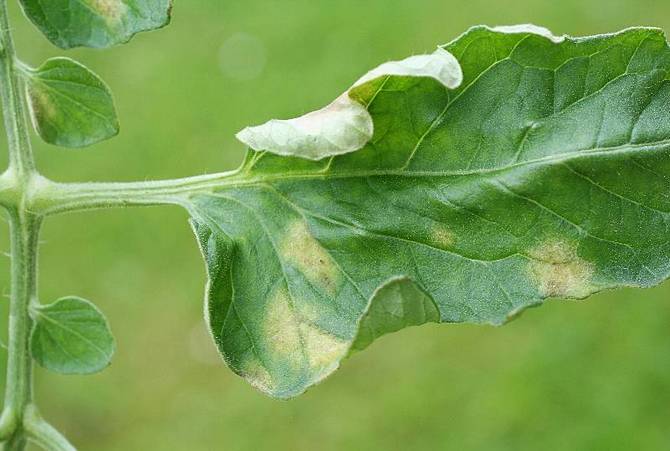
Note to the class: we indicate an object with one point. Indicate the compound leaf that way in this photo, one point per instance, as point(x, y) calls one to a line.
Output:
point(96, 23)
point(71, 336)
point(543, 173)
point(70, 106)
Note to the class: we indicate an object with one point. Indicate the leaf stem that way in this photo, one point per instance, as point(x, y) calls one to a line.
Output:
point(49, 198)
point(42, 433)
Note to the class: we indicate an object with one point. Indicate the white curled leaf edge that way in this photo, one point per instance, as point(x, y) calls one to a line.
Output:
point(345, 125)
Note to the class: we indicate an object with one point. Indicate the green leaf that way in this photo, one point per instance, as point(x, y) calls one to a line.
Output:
point(96, 23)
point(395, 306)
point(71, 336)
point(70, 106)
point(544, 174)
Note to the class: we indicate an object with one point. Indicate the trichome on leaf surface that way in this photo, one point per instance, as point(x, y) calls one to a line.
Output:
point(465, 185)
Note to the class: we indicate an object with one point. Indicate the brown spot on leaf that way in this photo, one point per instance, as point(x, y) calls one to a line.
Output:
point(559, 271)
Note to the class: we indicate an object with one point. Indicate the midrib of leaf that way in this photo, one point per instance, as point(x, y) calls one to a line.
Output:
point(561, 158)
point(74, 197)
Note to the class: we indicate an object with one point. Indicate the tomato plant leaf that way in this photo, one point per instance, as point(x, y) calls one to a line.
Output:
point(95, 23)
point(70, 106)
point(544, 173)
point(71, 336)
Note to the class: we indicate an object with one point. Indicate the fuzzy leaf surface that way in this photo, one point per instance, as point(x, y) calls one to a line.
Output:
point(544, 174)
point(71, 336)
point(70, 106)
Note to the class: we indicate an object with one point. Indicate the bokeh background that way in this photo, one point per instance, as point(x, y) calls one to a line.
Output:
point(593, 375)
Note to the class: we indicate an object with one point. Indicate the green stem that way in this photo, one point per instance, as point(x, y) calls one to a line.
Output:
point(12, 96)
point(49, 198)
point(42, 433)
point(24, 233)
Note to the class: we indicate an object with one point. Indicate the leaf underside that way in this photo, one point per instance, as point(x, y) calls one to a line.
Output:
point(95, 23)
point(545, 174)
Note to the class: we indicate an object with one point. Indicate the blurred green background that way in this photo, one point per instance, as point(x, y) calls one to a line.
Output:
point(587, 376)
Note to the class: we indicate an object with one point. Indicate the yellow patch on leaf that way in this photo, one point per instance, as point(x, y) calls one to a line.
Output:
point(281, 328)
point(41, 105)
point(292, 338)
point(442, 237)
point(256, 375)
point(559, 271)
point(112, 10)
point(300, 249)
point(322, 349)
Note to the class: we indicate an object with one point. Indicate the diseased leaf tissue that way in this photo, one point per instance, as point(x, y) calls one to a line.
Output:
point(508, 167)
point(465, 185)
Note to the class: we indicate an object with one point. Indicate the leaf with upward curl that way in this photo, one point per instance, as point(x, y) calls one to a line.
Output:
point(509, 167)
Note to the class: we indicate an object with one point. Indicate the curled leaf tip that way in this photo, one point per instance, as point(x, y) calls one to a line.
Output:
point(440, 65)
point(345, 125)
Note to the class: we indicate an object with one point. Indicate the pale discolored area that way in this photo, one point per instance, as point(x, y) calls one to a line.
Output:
point(252, 370)
point(112, 10)
point(292, 339)
point(341, 127)
point(41, 106)
point(439, 65)
point(323, 350)
point(441, 236)
point(281, 329)
point(530, 28)
point(300, 249)
point(559, 271)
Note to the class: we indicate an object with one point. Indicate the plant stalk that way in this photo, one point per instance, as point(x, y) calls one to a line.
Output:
point(24, 235)
point(24, 231)
point(13, 105)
